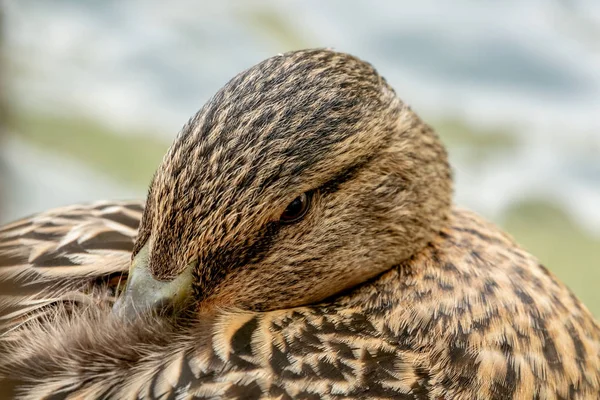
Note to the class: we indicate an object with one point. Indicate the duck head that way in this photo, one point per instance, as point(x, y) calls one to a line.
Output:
point(303, 176)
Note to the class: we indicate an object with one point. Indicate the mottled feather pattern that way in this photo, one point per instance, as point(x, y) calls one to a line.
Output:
point(382, 290)
point(420, 331)
point(60, 255)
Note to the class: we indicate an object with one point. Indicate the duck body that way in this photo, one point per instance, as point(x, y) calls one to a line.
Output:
point(298, 241)
point(473, 316)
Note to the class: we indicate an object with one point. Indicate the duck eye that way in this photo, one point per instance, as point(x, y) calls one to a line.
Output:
point(296, 209)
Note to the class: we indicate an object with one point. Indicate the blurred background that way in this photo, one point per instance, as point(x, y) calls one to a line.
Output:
point(93, 92)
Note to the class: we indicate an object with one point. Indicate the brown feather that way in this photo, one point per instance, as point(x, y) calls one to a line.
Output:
point(383, 289)
point(56, 256)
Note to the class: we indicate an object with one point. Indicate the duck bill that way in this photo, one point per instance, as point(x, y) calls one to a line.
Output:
point(144, 293)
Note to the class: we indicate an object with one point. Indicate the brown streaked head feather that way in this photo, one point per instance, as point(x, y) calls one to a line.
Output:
point(317, 122)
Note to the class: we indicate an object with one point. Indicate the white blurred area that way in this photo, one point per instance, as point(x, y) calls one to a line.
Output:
point(39, 180)
point(529, 65)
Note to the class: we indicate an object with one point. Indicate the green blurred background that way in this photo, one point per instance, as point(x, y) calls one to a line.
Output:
point(93, 93)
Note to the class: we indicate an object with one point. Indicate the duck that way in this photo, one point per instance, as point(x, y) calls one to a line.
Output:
point(298, 241)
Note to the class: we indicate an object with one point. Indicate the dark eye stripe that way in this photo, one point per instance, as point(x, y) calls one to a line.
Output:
point(333, 185)
point(267, 235)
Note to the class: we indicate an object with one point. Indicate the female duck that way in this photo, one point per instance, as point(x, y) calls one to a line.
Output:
point(298, 241)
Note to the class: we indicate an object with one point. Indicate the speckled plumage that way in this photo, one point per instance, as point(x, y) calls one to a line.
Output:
point(383, 290)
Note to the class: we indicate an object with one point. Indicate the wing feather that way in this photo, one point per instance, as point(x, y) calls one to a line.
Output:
point(68, 256)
